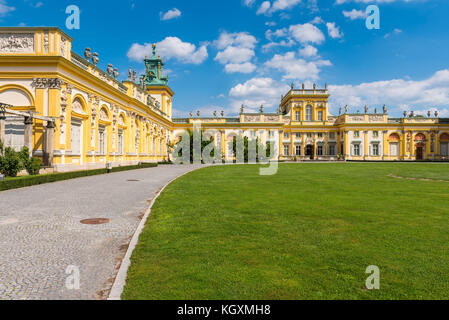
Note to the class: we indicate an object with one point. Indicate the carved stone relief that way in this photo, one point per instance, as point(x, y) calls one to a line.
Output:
point(17, 43)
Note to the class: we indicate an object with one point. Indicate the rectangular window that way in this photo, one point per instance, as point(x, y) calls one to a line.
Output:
point(298, 116)
point(356, 134)
point(309, 113)
point(120, 146)
point(320, 115)
point(332, 135)
point(271, 134)
point(309, 135)
point(101, 140)
point(394, 149)
point(298, 135)
point(298, 150)
point(331, 150)
point(76, 138)
point(253, 133)
point(286, 150)
point(356, 150)
point(320, 135)
point(375, 134)
point(320, 150)
point(444, 149)
point(375, 149)
point(286, 135)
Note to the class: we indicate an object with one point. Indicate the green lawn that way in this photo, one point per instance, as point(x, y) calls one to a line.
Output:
point(308, 232)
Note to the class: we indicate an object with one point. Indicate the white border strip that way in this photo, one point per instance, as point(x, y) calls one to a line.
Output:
point(120, 280)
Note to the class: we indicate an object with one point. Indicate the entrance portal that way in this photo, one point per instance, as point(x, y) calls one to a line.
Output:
point(310, 152)
point(419, 152)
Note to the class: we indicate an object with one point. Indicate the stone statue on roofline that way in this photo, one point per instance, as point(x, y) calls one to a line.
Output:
point(366, 109)
point(130, 74)
point(242, 109)
point(346, 109)
point(134, 75)
point(385, 109)
point(429, 114)
point(215, 114)
point(436, 114)
point(261, 109)
point(339, 111)
point(222, 113)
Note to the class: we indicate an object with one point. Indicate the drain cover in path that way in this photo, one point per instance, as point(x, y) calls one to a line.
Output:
point(95, 221)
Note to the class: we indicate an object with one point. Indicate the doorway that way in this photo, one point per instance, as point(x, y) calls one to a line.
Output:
point(419, 152)
point(310, 152)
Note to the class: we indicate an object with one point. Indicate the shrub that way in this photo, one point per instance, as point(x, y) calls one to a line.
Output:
point(27, 181)
point(32, 165)
point(10, 163)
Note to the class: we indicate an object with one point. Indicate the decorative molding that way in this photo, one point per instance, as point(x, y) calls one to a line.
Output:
point(17, 42)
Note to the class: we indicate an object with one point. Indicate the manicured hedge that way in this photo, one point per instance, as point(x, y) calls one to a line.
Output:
point(27, 181)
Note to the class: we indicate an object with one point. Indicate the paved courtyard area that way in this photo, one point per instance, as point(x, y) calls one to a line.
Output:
point(41, 234)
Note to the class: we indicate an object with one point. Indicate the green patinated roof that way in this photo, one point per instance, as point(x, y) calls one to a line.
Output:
point(154, 68)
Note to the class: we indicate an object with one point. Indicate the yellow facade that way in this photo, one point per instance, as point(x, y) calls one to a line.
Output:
point(98, 120)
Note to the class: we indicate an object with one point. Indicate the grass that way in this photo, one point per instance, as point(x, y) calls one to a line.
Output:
point(308, 232)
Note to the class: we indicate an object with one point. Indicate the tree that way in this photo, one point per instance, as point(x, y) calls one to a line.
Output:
point(260, 149)
point(204, 144)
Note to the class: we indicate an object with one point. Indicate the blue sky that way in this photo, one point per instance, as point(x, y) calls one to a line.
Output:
point(220, 54)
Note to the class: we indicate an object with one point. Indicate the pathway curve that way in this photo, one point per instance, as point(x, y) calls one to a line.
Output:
point(41, 234)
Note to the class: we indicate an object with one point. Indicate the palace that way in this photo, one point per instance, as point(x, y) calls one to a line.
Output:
point(76, 116)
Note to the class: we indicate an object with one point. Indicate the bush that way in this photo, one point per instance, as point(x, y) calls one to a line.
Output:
point(10, 163)
point(32, 165)
point(27, 181)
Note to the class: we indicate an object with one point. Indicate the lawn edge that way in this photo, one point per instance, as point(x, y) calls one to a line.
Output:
point(120, 280)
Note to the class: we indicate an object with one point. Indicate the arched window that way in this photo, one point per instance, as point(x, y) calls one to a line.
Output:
point(309, 113)
point(420, 137)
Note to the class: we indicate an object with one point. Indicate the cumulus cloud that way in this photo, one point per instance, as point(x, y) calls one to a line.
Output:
point(268, 8)
point(307, 32)
point(308, 51)
point(257, 91)
point(170, 48)
point(246, 67)
point(371, 1)
point(236, 51)
point(397, 94)
point(333, 30)
point(354, 14)
point(170, 14)
point(294, 68)
point(5, 9)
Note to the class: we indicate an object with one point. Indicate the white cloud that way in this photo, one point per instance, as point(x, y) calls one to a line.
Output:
point(238, 39)
point(333, 30)
point(246, 67)
point(397, 94)
point(294, 68)
point(317, 20)
point(270, 23)
point(248, 3)
point(170, 14)
point(354, 14)
point(5, 9)
point(308, 51)
point(307, 32)
point(264, 7)
point(373, 1)
point(283, 43)
point(395, 31)
point(268, 8)
point(284, 4)
point(234, 55)
point(171, 48)
point(257, 91)
point(237, 51)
